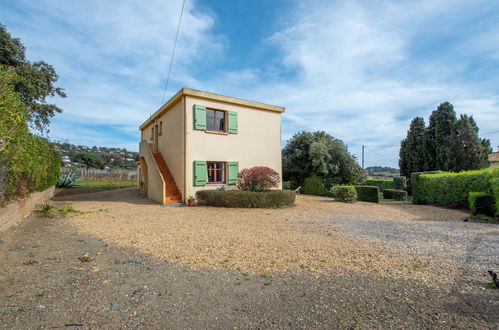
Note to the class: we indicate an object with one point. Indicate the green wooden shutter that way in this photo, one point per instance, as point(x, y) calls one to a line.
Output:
point(232, 122)
point(199, 117)
point(233, 171)
point(199, 172)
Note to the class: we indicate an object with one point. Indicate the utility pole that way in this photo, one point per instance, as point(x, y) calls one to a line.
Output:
point(363, 147)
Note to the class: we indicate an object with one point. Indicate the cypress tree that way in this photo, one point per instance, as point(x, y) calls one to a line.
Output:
point(412, 148)
point(438, 141)
point(467, 146)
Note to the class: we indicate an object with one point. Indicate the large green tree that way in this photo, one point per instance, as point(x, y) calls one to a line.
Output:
point(35, 81)
point(412, 148)
point(438, 144)
point(320, 154)
point(89, 160)
point(448, 144)
point(468, 150)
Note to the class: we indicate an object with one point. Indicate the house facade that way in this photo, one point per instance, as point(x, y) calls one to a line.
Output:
point(199, 140)
point(494, 159)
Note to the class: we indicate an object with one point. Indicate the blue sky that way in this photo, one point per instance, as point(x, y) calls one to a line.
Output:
point(360, 70)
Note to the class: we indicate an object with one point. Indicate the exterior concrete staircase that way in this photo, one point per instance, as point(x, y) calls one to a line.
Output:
point(172, 194)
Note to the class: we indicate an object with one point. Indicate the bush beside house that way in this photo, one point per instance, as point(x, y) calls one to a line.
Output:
point(246, 199)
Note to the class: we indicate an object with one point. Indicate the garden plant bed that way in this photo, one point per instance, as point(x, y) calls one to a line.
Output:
point(320, 263)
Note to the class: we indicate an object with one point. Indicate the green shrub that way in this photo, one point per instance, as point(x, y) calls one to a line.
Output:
point(398, 195)
point(451, 189)
point(27, 162)
point(286, 185)
point(380, 183)
point(481, 203)
point(344, 193)
point(414, 184)
point(313, 186)
point(367, 194)
point(494, 183)
point(246, 199)
point(400, 183)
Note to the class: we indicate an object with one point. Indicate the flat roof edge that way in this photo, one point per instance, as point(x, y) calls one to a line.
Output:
point(209, 96)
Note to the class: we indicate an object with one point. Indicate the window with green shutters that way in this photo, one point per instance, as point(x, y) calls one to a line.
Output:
point(233, 122)
point(214, 120)
point(199, 117)
point(233, 170)
point(199, 173)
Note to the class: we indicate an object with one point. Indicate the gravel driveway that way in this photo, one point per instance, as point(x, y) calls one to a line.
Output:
point(320, 264)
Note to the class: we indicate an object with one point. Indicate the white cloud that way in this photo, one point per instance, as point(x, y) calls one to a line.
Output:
point(358, 73)
point(112, 57)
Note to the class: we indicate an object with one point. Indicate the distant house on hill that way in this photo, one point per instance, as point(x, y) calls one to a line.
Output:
point(494, 159)
point(199, 140)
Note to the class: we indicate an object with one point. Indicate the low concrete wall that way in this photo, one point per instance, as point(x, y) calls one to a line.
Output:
point(22, 208)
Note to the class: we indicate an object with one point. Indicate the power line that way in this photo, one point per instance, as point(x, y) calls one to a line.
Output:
point(491, 132)
point(173, 52)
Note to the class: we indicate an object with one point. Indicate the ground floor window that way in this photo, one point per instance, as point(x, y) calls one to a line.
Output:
point(216, 172)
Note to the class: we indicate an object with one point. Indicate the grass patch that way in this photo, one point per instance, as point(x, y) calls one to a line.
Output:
point(107, 185)
point(68, 209)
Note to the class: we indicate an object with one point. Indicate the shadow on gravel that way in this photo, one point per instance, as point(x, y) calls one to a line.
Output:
point(122, 287)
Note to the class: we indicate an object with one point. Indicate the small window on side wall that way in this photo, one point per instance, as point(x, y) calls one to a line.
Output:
point(160, 128)
point(152, 133)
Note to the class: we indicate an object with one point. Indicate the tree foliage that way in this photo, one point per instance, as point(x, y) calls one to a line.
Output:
point(412, 148)
point(447, 144)
point(320, 154)
point(27, 162)
point(89, 160)
point(34, 81)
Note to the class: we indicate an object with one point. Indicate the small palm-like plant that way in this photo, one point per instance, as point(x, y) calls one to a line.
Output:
point(68, 181)
point(45, 209)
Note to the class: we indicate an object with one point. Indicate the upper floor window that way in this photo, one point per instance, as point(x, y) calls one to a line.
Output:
point(215, 120)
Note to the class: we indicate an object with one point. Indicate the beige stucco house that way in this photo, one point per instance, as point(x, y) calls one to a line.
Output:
point(199, 140)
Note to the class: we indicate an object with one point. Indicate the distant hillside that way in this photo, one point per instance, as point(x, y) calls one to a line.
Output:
point(382, 171)
point(115, 158)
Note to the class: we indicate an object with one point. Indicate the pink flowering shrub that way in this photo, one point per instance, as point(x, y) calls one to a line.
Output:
point(258, 178)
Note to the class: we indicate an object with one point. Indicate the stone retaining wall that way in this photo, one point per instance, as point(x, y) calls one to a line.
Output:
point(22, 208)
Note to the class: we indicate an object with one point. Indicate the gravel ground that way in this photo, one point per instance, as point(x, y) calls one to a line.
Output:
point(320, 264)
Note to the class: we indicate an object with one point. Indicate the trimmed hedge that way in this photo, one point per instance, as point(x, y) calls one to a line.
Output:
point(400, 183)
point(344, 193)
point(451, 189)
point(494, 183)
point(367, 194)
point(481, 203)
point(398, 195)
point(414, 185)
point(313, 185)
point(380, 183)
point(246, 199)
